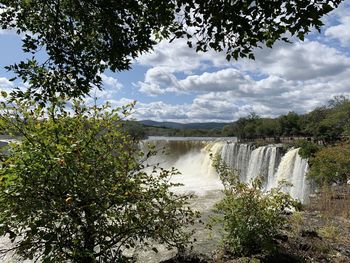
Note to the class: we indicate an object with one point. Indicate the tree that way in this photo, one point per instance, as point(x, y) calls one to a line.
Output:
point(75, 187)
point(328, 123)
point(331, 165)
point(135, 129)
point(227, 130)
point(290, 124)
point(83, 38)
point(238, 127)
point(310, 122)
point(333, 126)
point(269, 128)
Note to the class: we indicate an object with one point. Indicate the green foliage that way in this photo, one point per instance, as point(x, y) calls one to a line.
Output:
point(307, 149)
point(311, 122)
point(331, 122)
point(327, 124)
point(75, 187)
point(250, 217)
point(290, 124)
point(83, 38)
point(268, 128)
point(331, 165)
point(134, 129)
point(330, 231)
point(237, 27)
point(162, 131)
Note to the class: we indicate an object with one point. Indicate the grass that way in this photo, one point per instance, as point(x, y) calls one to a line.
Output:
point(330, 231)
point(332, 201)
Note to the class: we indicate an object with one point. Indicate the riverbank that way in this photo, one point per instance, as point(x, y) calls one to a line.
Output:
point(318, 233)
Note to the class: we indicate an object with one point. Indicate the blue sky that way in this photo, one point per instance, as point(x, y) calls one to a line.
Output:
point(174, 83)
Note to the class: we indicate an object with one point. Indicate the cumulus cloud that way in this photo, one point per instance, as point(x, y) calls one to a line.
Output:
point(160, 111)
point(158, 80)
point(341, 31)
point(226, 79)
point(299, 61)
point(178, 57)
point(268, 97)
point(111, 83)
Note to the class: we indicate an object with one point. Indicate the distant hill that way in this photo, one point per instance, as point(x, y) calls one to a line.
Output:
point(177, 125)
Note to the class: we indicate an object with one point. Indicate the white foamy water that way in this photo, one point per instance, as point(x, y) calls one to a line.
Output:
point(293, 169)
point(192, 159)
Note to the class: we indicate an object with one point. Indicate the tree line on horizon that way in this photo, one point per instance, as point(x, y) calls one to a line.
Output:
point(327, 124)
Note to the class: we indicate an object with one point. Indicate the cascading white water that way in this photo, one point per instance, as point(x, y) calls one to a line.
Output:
point(197, 172)
point(192, 159)
point(293, 169)
point(236, 156)
point(274, 160)
point(250, 162)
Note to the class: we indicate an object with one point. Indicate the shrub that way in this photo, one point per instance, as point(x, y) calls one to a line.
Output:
point(74, 188)
point(331, 165)
point(307, 149)
point(249, 217)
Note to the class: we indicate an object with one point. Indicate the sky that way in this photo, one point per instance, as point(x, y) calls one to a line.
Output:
point(174, 83)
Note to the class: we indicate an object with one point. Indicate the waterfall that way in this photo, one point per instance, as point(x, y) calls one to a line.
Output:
point(236, 156)
point(263, 163)
point(250, 162)
point(293, 169)
point(192, 159)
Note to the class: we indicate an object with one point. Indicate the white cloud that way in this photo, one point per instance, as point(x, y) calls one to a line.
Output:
point(269, 97)
point(226, 79)
point(158, 80)
point(111, 83)
point(299, 61)
point(6, 85)
point(341, 31)
point(159, 111)
point(178, 57)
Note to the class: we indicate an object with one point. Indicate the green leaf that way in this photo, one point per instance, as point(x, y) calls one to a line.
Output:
point(4, 94)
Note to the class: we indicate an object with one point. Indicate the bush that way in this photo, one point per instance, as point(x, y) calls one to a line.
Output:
point(74, 188)
point(331, 165)
point(249, 217)
point(307, 149)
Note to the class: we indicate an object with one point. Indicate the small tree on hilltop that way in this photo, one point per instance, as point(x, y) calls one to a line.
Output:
point(74, 188)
